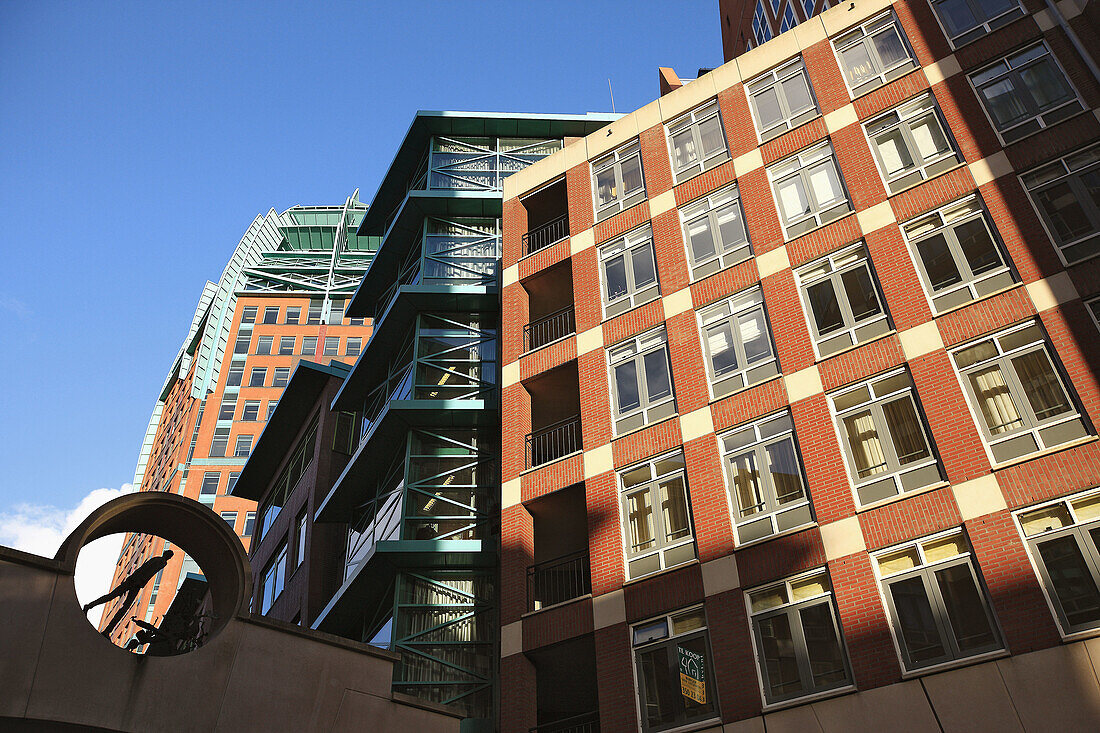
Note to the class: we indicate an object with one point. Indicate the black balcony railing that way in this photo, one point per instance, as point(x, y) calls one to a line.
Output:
point(546, 234)
point(554, 441)
point(586, 723)
point(557, 581)
point(558, 324)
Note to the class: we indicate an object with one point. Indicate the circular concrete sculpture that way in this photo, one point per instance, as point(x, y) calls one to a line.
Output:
point(188, 525)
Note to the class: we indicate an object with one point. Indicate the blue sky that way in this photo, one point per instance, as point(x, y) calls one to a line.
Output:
point(139, 140)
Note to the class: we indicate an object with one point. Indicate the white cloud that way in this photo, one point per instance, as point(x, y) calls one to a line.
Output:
point(40, 529)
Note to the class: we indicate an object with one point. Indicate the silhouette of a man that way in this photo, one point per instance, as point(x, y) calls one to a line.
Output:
point(129, 588)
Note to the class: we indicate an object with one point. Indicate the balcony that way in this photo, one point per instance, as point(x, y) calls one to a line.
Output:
point(546, 234)
point(559, 580)
point(555, 415)
point(584, 723)
point(565, 687)
point(549, 306)
point(553, 442)
point(559, 571)
point(547, 217)
point(549, 329)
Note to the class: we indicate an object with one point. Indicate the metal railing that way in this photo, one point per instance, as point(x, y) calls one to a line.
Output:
point(553, 441)
point(557, 581)
point(586, 723)
point(546, 234)
point(558, 324)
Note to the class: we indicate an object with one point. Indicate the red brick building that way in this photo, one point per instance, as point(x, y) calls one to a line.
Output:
point(800, 400)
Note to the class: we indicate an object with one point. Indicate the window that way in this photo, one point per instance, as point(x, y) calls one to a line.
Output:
point(251, 410)
point(657, 514)
point(967, 20)
point(1093, 307)
point(1018, 397)
point(808, 190)
point(714, 231)
point(257, 377)
point(873, 53)
point(271, 315)
point(313, 315)
point(617, 180)
point(799, 648)
point(249, 524)
point(248, 314)
point(674, 671)
point(355, 346)
point(301, 535)
point(885, 440)
point(209, 488)
point(274, 577)
point(309, 345)
point(1025, 92)
point(362, 321)
point(737, 342)
point(1063, 538)
point(243, 446)
point(230, 518)
point(629, 272)
point(765, 479)
point(1066, 193)
point(263, 344)
point(220, 443)
point(911, 144)
point(242, 343)
point(641, 381)
point(293, 314)
point(781, 100)
point(228, 408)
point(936, 600)
point(332, 345)
point(232, 481)
point(235, 375)
point(697, 142)
point(957, 255)
point(336, 313)
point(281, 377)
point(842, 302)
point(345, 438)
point(286, 345)
point(271, 408)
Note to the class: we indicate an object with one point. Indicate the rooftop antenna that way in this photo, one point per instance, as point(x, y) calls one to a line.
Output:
point(612, 92)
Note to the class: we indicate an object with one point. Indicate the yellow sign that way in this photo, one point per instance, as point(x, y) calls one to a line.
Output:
point(693, 683)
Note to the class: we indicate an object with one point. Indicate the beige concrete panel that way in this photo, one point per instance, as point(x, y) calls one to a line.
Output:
point(649, 115)
point(509, 374)
point(875, 217)
point(510, 276)
point(696, 424)
point(582, 241)
point(726, 75)
point(511, 493)
point(792, 720)
point(26, 593)
point(945, 68)
point(686, 98)
point(619, 132)
point(779, 49)
point(1054, 689)
point(511, 639)
point(921, 340)
point(1044, 20)
point(899, 708)
point(803, 384)
point(843, 537)
point(1097, 113)
point(1070, 8)
point(677, 303)
point(720, 575)
point(661, 203)
point(971, 699)
point(534, 175)
point(1052, 291)
point(978, 497)
point(991, 168)
point(589, 340)
point(845, 15)
point(359, 710)
point(840, 118)
point(598, 460)
point(608, 609)
point(575, 152)
point(748, 162)
point(749, 725)
point(772, 262)
point(810, 32)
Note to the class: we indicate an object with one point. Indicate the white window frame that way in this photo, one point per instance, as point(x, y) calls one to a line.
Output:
point(833, 268)
point(274, 579)
point(773, 518)
point(1068, 168)
point(1010, 343)
point(281, 374)
point(901, 121)
point(614, 161)
point(242, 446)
point(775, 79)
point(693, 121)
point(254, 405)
point(945, 222)
point(869, 395)
point(863, 34)
point(1093, 307)
point(802, 166)
point(284, 349)
point(926, 571)
point(718, 208)
point(984, 25)
point(354, 346)
point(792, 607)
point(649, 477)
point(1080, 528)
point(1039, 119)
point(264, 344)
point(649, 410)
point(628, 246)
point(729, 315)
